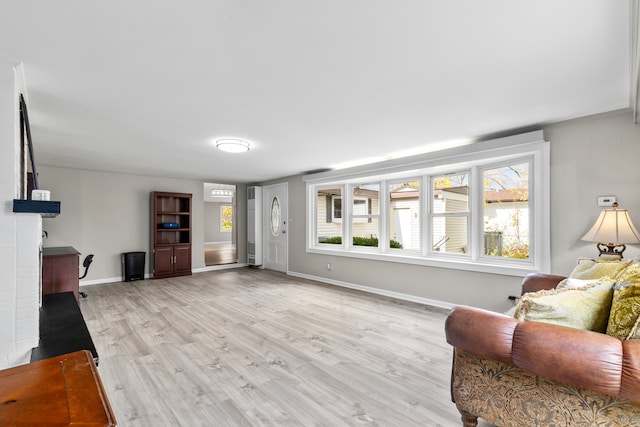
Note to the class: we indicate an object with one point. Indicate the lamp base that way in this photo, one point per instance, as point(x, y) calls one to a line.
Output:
point(611, 249)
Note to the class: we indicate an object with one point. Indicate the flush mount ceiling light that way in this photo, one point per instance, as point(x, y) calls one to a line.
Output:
point(232, 145)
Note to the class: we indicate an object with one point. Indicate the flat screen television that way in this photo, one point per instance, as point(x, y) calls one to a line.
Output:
point(26, 141)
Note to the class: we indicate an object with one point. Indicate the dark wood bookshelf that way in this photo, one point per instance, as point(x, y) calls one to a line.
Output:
point(171, 234)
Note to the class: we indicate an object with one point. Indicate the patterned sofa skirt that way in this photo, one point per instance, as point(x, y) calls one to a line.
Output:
point(511, 397)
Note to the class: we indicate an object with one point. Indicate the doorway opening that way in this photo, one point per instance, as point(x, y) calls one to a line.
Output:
point(220, 234)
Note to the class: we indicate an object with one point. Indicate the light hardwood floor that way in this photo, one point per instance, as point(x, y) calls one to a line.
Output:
point(248, 347)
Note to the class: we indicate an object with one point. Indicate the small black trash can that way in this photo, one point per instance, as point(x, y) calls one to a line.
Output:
point(133, 266)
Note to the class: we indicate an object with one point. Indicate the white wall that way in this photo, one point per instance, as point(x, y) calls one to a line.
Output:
point(212, 231)
point(19, 239)
point(107, 214)
point(589, 157)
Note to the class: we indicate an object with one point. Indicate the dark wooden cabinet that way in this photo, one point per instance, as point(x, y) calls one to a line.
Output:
point(60, 270)
point(171, 231)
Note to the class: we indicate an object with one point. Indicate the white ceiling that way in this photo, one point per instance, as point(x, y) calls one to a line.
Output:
point(146, 86)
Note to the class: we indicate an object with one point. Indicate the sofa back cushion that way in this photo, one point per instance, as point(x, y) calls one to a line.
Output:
point(596, 269)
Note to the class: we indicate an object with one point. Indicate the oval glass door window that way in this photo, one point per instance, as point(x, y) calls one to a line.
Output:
point(275, 217)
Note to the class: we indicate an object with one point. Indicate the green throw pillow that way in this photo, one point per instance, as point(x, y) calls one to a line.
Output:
point(631, 273)
point(595, 269)
point(625, 309)
point(581, 308)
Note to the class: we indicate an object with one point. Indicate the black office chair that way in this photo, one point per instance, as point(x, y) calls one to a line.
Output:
point(86, 263)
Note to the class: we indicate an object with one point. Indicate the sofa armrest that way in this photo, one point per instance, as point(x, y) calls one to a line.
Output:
point(585, 359)
point(535, 282)
point(485, 333)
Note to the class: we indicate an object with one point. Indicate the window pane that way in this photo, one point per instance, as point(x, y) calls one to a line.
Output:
point(366, 234)
point(506, 211)
point(226, 218)
point(365, 215)
point(450, 234)
point(275, 217)
point(451, 193)
point(336, 215)
point(329, 215)
point(404, 224)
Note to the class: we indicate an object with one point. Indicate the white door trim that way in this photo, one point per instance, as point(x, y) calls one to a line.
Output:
point(281, 190)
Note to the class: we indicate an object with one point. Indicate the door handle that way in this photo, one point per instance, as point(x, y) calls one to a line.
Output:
point(284, 231)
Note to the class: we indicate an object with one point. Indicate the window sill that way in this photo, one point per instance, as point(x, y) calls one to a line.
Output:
point(514, 268)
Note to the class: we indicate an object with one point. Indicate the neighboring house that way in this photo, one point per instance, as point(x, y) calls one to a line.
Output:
point(504, 212)
point(506, 215)
point(329, 215)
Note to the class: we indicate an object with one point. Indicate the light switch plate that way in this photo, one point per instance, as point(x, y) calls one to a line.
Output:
point(606, 201)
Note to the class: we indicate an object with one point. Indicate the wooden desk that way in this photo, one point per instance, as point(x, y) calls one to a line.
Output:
point(60, 270)
point(61, 391)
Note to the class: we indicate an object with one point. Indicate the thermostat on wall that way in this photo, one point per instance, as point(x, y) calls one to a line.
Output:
point(606, 200)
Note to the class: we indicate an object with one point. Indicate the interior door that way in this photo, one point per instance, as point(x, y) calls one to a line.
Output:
point(275, 226)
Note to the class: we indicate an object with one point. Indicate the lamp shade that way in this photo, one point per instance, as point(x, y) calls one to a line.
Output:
point(613, 226)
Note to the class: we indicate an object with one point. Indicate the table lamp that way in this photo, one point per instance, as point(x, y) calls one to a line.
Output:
point(612, 230)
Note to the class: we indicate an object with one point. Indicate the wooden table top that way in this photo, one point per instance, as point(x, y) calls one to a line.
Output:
point(59, 251)
point(60, 391)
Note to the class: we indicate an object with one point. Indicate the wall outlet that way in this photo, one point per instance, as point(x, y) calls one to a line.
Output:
point(606, 201)
point(329, 267)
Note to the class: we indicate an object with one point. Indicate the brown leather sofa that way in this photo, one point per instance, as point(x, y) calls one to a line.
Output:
point(522, 373)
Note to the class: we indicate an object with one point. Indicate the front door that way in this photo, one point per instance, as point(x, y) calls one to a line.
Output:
point(275, 226)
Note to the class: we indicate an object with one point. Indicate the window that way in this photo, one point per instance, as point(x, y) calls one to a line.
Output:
point(404, 221)
point(484, 208)
point(365, 215)
point(226, 218)
point(450, 213)
point(336, 209)
point(328, 225)
point(506, 211)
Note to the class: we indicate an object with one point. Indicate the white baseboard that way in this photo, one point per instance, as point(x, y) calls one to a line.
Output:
point(219, 267)
point(377, 291)
point(104, 280)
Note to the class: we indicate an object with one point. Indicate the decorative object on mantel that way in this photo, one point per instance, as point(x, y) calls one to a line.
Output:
point(612, 230)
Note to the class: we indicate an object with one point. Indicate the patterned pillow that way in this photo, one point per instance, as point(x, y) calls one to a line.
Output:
point(631, 273)
point(625, 309)
point(585, 308)
point(595, 269)
point(635, 331)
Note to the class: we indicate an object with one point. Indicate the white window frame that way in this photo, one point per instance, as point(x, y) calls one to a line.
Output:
point(530, 147)
point(431, 215)
point(313, 217)
point(531, 202)
point(389, 213)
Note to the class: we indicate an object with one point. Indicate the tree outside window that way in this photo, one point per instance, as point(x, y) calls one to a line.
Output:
point(226, 218)
point(506, 211)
